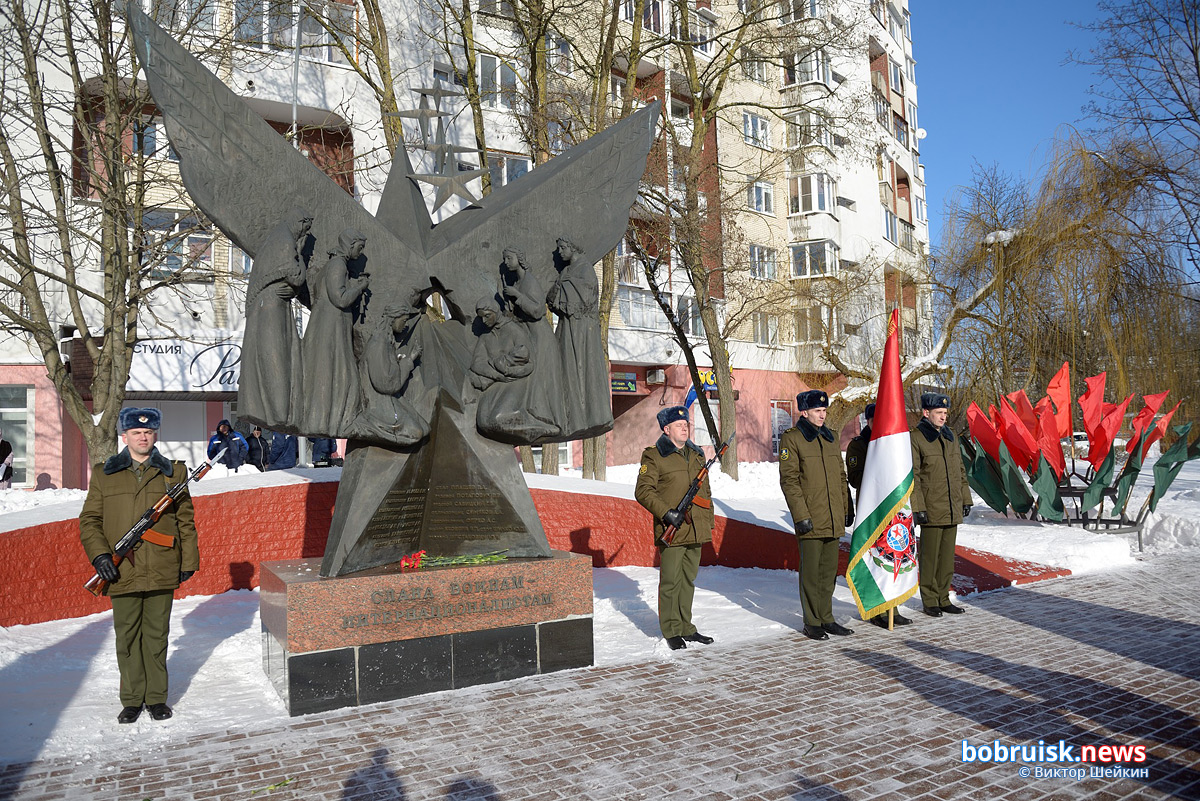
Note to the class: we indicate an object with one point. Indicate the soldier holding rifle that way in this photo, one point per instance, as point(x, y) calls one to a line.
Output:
point(144, 582)
point(667, 471)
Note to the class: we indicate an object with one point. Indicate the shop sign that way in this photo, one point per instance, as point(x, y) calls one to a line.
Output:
point(175, 365)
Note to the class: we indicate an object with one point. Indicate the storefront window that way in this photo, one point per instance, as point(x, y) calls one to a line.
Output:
point(16, 413)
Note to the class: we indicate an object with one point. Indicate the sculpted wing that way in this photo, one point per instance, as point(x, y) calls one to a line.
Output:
point(584, 195)
point(238, 169)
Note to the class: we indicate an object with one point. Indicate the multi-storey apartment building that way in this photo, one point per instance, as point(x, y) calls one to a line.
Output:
point(806, 181)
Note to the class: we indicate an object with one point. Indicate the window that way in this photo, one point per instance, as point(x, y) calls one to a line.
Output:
point(766, 329)
point(700, 434)
point(781, 420)
point(760, 196)
point(16, 417)
point(910, 67)
point(795, 10)
point(150, 139)
point(812, 193)
point(901, 129)
point(762, 262)
point(897, 76)
point(753, 67)
point(895, 27)
point(559, 133)
point(176, 245)
point(183, 15)
point(919, 207)
point(497, 83)
point(891, 227)
point(240, 262)
point(808, 128)
point(912, 116)
point(907, 24)
point(812, 323)
point(639, 309)
point(506, 168)
point(700, 32)
point(756, 130)
point(814, 67)
point(499, 8)
point(652, 15)
point(687, 311)
point(811, 259)
point(323, 25)
point(558, 54)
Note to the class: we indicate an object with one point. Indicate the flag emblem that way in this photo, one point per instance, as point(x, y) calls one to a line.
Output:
point(895, 551)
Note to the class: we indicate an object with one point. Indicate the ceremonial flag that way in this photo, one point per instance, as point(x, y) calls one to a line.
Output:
point(1160, 428)
point(1045, 484)
point(882, 572)
point(1020, 404)
point(1014, 485)
point(1094, 493)
point(1049, 443)
point(983, 474)
point(1101, 445)
point(983, 431)
point(1092, 405)
point(1018, 438)
point(1059, 391)
point(1143, 418)
point(1171, 462)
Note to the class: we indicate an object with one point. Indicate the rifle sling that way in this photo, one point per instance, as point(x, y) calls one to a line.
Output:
point(158, 538)
point(703, 503)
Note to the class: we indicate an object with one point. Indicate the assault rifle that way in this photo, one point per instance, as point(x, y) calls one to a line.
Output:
point(124, 547)
point(689, 497)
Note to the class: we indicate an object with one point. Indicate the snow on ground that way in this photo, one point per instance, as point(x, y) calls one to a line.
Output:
point(58, 680)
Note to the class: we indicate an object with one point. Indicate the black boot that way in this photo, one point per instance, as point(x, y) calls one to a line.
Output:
point(159, 711)
point(951, 609)
point(814, 633)
point(676, 643)
point(129, 714)
point(696, 636)
point(837, 628)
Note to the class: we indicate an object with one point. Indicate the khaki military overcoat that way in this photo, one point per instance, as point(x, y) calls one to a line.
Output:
point(940, 487)
point(664, 476)
point(813, 479)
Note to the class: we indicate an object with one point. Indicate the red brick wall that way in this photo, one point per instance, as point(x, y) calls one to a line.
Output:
point(240, 529)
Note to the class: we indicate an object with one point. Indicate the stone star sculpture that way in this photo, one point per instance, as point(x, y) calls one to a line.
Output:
point(410, 394)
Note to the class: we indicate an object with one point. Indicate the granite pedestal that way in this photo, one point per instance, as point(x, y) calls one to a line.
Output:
point(384, 634)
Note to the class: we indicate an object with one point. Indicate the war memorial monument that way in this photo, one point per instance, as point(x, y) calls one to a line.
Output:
point(431, 408)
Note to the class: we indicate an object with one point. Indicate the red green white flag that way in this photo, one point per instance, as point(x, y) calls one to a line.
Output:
point(882, 572)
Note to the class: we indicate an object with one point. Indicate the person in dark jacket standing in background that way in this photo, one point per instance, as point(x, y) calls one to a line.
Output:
point(813, 479)
point(285, 451)
point(856, 461)
point(258, 449)
point(941, 498)
point(667, 470)
point(234, 444)
point(142, 587)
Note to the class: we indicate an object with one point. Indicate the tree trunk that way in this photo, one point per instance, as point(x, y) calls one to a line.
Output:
point(525, 453)
point(550, 459)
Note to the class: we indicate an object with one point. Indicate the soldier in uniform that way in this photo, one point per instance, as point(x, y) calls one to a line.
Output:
point(143, 586)
point(813, 479)
point(941, 498)
point(856, 460)
point(668, 469)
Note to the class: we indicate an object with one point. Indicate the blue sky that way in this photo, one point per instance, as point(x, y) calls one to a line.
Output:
point(993, 88)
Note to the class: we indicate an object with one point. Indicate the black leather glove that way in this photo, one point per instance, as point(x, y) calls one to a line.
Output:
point(966, 509)
point(921, 518)
point(804, 526)
point(105, 568)
point(184, 575)
point(673, 517)
point(849, 519)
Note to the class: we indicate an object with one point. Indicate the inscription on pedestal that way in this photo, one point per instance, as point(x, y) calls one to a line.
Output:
point(458, 510)
point(397, 523)
point(396, 607)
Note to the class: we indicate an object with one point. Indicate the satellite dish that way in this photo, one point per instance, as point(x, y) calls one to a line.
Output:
point(920, 133)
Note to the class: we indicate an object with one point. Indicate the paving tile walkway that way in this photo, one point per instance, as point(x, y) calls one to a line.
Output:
point(1104, 659)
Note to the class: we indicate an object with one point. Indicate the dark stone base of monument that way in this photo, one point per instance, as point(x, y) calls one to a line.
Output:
point(384, 634)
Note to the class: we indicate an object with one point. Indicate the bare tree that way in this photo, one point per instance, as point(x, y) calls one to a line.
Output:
point(1148, 60)
point(85, 243)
